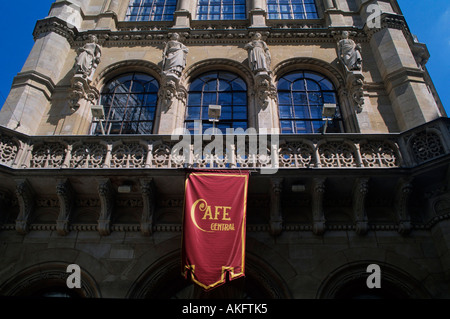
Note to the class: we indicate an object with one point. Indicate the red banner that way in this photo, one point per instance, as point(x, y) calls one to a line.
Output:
point(214, 226)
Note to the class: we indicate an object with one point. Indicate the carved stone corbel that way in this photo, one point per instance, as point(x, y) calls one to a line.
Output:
point(170, 90)
point(148, 197)
point(265, 89)
point(106, 193)
point(350, 59)
point(81, 89)
point(318, 190)
point(355, 88)
point(404, 190)
point(66, 197)
point(276, 218)
point(25, 195)
point(360, 190)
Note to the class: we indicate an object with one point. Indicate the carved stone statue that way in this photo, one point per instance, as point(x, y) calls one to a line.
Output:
point(349, 53)
point(258, 54)
point(84, 68)
point(88, 58)
point(174, 56)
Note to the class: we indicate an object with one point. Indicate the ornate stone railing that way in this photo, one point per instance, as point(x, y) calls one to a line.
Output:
point(408, 149)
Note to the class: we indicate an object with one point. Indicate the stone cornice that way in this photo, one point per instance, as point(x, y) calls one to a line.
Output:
point(201, 32)
point(57, 25)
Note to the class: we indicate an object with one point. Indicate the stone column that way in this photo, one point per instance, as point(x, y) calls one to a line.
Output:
point(182, 16)
point(107, 19)
point(258, 13)
point(332, 14)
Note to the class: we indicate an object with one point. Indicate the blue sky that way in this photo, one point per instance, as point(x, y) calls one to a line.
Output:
point(428, 19)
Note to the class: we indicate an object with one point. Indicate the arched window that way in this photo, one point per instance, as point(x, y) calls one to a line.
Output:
point(301, 98)
point(292, 9)
point(221, 10)
point(217, 88)
point(151, 10)
point(129, 102)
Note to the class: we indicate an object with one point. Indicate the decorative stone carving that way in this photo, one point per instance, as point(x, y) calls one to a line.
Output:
point(88, 58)
point(171, 90)
point(174, 57)
point(317, 205)
point(173, 65)
point(296, 155)
point(360, 190)
point(378, 154)
point(349, 53)
point(84, 68)
point(106, 193)
point(355, 84)
point(132, 155)
point(149, 198)
point(259, 57)
point(66, 197)
point(88, 155)
point(8, 150)
point(49, 155)
point(337, 154)
point(426, 146)
point(25, 195)
point(265, 89)
point(404, 190)
point(276, 218)
point(259, 60)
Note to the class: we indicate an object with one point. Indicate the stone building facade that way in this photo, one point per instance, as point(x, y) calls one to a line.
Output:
point(90, 173)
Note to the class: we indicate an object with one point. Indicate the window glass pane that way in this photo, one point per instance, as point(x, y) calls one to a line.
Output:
point(227, 113)
point(312, 86)
point(224, 86)
point(195, 99)
point(284, 98)
point(284, 85)
point(134, 101)
point(240, 99)
point(286, 112)
point(300, 98)
point(225, 99)
point(150, 10)
point(315, 99)
point(291, 9)
point(240, 113)
point(239, 85)
point(329, 98)
point(299, 85)
point(316, 111)
point(193, 113)
point(301, 107)
point(209, 98)
point(230, 94)
point(221, 9)
point(286, 127)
